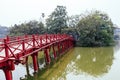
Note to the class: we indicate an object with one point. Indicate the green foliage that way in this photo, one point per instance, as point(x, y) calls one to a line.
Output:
point(95, 29)
point(72, 26)
point(32, 27)
point(73, 20)
point(57, 20)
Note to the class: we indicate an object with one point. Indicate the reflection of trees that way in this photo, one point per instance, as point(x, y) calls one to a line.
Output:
point(94, 61)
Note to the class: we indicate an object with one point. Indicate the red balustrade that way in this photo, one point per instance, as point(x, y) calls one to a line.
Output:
point(13, 50)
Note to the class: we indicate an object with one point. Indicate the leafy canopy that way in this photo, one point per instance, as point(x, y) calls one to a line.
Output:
point(95, 29)
point(57, 20)
point(29, 28)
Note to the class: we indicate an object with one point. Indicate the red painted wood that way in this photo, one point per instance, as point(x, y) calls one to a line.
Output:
point(54, 52)
point(35, 62)
point(47, 56)
point(17, 48)
point(8, 74)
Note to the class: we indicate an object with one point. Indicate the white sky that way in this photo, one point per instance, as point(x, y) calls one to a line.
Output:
point(18, 11)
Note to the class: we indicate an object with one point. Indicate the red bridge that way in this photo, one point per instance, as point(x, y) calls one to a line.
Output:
point(15, 50)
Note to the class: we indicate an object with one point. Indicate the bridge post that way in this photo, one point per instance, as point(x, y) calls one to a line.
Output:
point(46, 37)
point(23, 46)
point(47, 56)
point(35, 62)
point(9, 64)
point(7, 38)
point(8, 74)
point(6, 49)
point(63, 47)
point(33, 40)
point(58, 48)
point(71, 44)
point(27, 66)
point(41, 41)
point(8, 69)
point(66, 45)
point(54, 52)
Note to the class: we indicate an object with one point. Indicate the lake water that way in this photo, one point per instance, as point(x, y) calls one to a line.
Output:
point(80, 63)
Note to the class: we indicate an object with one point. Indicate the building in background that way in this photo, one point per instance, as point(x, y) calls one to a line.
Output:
point(4, 31)
point(116, 33)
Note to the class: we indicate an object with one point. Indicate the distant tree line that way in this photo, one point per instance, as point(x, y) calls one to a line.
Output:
point(93, 28)
point(29, 28)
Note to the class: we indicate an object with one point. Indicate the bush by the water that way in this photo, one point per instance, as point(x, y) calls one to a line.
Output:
point(95, 29)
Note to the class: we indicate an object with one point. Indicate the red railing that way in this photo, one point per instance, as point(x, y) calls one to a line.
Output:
point(13, 49)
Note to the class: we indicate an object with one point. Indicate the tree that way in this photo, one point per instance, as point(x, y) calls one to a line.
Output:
point(35, 27)
point(29, 28)
point(73, 20)
point(95, 29)
point(57, 20)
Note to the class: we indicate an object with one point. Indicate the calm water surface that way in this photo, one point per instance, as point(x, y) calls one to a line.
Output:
point(79, 63)
point(85, 64)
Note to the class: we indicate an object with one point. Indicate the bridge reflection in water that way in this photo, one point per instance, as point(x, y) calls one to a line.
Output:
point(79, 64)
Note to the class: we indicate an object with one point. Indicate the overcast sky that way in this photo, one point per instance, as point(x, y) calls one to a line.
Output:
point(18, 11)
